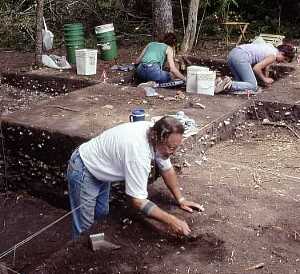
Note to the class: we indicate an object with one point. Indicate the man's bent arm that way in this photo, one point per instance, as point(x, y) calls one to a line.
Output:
point(170, 179)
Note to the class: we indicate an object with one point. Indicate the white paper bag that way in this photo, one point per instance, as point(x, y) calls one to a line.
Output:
point(47, 37)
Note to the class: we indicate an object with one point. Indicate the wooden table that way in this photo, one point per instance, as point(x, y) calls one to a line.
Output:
point(242, 27)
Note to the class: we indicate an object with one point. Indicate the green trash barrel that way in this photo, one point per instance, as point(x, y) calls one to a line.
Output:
point(106, 41)
point(74, 39)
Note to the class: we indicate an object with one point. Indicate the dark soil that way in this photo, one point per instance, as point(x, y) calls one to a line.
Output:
point(20, 217)
point(142, 249)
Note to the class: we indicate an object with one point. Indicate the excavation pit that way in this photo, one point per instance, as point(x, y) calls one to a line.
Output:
point(248, 186)
point(38, 143)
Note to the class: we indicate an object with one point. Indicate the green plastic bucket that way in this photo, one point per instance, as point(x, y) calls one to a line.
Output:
point(106, 41)
point(73, 28)
point(71, 57)
point(74, 39)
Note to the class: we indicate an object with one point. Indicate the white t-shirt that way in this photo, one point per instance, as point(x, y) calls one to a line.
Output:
point(123, 153)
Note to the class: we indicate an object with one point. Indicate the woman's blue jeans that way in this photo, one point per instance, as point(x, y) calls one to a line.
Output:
point(87, 191)
point(240, 66)
point(152, 72)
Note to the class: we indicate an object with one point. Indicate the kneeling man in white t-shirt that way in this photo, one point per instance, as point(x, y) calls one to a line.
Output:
point(124, 153)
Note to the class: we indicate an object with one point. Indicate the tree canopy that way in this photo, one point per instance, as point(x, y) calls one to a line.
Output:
point(134, 17)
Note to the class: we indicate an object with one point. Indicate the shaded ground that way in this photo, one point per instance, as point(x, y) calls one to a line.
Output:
point(20, 217)
point(12, 60)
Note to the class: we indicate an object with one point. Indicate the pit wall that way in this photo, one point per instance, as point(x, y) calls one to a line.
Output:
point(225, 127)
point(37, 161)
point(274, 111)
point(50, 85)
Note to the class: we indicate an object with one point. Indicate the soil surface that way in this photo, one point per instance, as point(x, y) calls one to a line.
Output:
point(21, 216)
point(13, 61)
point(249, 186)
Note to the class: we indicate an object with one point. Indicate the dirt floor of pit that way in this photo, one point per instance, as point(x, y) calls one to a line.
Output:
point(22, 215)
point(250, 188)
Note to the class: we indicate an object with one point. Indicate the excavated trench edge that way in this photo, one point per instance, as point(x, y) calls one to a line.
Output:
point(51, 85)
point(28, 148)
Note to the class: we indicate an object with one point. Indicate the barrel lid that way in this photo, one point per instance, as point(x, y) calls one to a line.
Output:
point(197, 68)
point(86, 50)
point(104, 28)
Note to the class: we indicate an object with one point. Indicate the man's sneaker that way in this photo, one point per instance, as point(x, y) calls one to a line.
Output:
point(218, 80)
point(151, 84)
point(222, 85)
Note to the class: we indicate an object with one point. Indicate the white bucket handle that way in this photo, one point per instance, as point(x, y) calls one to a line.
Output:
point(45, 26)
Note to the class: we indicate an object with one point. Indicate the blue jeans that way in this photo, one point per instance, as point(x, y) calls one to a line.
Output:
point(85, 190)
point(240, 66)
point(152, 72)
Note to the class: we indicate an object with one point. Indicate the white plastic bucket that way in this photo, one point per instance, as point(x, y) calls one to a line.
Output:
point(191, 79)
point(86, 61)
point(206, 82)
point(104, 28)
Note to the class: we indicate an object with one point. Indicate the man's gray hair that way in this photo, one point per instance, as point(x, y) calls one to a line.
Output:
point(163, 128)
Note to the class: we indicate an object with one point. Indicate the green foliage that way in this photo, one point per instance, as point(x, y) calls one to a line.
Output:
point(18, 26)
point(273, 16)
point(133, 17)
point(269, 16)
point(17, 23)
point(224, 8)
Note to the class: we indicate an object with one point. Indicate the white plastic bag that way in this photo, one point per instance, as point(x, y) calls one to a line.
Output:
point(56, 62)
point(47, 37)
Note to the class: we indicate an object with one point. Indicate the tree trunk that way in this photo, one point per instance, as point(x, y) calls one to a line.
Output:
point(162, 17)
point(190, 32)
point(39, 27)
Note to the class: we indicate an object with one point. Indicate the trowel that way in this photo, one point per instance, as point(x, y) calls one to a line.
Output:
point(98, 243)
